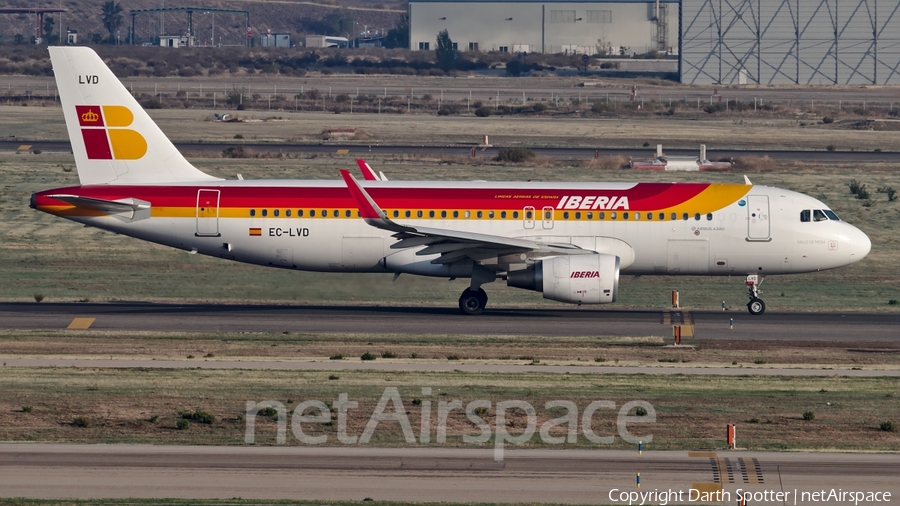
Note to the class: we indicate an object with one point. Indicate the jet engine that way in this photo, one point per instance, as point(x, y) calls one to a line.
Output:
point(577, 279)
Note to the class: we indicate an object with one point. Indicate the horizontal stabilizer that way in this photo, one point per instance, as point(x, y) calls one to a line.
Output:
point(128, 207)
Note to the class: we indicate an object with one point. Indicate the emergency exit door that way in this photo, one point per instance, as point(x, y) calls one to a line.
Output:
point(758, 217)
point(208, 213)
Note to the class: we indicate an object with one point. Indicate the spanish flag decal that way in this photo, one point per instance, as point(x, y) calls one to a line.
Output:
point(255, 231)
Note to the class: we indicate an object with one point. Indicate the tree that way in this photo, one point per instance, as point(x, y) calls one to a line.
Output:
point(398, 36)
point(445, 54)
point(112, 18)
point(18, 39)
point(48, 30)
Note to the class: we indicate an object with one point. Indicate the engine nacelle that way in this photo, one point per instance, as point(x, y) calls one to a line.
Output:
point(578, 279)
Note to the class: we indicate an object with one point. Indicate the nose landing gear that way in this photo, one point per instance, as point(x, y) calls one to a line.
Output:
point(756, 306)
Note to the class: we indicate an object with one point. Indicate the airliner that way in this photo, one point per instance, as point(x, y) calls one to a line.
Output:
point(568, 241)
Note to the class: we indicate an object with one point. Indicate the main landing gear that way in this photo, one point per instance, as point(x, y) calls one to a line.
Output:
point(473, 299)
point(472, 302)
point(756, 306)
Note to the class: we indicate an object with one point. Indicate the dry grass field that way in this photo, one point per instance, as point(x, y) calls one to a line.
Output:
point(144, 405)
point(745, 132)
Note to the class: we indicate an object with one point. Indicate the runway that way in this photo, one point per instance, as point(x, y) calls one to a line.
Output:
point(425, 474)
point(557, 153)
point(569, 321)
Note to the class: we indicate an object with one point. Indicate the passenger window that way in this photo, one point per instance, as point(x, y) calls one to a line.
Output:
point(548, 215)
point(287, 212)
point(649, 216)
point(312, 213)
point(265, 212)
point(275, 213)
point(347, 213)
point(443, 214)
point(491, 214)
point(684, 216)
point(336, 213)
point(324, 213)
point(675, 216)
point(624, 216)
point(299, 213)
point(612, 216)
point(468, 214)
point(662, 216)
point(408, 213)
point(431, 214)
point(601, 215)
point(478, 214)
point(419, 213)
point(566, 215)
point(503, 214)
point(637, 216)
point(253, 212)
point(590, 216)
point(697, 216)
point(516, 214)
point(819, 216)
point(528, 215)
point(456, 214)
point(708, 216)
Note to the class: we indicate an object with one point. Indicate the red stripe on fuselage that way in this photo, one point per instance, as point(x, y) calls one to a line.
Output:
point(641, 197)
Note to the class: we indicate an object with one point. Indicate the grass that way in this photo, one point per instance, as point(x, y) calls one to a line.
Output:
point(612, 351)
point(119, 403)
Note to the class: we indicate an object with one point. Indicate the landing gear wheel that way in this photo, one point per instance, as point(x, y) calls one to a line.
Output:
point(472, 302)
point(756, 306)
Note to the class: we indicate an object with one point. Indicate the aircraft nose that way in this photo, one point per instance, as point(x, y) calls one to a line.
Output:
point(860, 245)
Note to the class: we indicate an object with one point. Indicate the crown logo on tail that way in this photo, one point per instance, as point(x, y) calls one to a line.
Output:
point(90, 117)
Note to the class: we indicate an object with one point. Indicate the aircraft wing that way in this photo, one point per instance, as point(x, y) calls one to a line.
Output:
point(452, 245)
point(367, 172)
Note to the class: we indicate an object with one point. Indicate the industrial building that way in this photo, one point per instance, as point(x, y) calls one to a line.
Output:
point(810, 42)
point(546, 26)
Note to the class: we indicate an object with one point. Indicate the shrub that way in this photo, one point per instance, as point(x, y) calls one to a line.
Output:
point(336, 357)
point(830, 147)
point(640, 411)
point(151, 103)
point(759, 361)
point(854, 186)
point(333, 377)
point(600, 359)
point(753, 420)
point(452, 357)
point(827, 120)
point(481, 411)
point(38, 297)
point(234, 152)
point(893, 302)
point(368, 356)
point(182, 424)
point(887, 426)
point(154, 419)
point(538, 107)
point(238, 136)
point(483, 111)
point(80, 421)
point(417, 402)
point(269, 412)
point(809, 415)
point(199, 416)
point(515, 155)
point(27, 409)
point(414, 355)
point(443, 111)
point(862, 193)
point(36, 151)
point(388, 354)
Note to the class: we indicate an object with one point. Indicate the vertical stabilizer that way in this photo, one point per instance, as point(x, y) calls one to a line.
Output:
point(113, 139)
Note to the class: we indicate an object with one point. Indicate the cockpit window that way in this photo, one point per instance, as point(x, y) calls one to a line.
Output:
point(831, 215)
point(804, 215)
point(818, 215)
